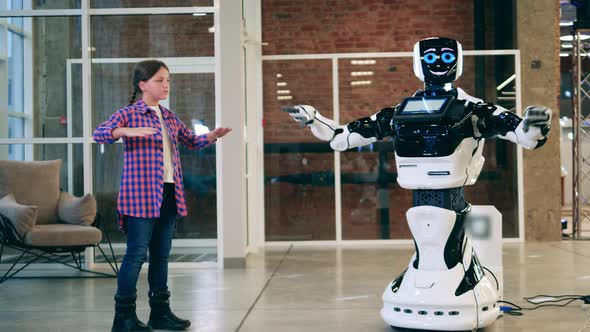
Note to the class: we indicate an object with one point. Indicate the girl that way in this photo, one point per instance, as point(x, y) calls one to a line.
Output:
point(151, 195)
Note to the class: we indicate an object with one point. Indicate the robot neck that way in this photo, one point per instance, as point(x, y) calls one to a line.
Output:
point(437, 89)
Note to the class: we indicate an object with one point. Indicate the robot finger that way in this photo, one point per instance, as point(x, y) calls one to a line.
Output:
point(538, 112)
point(537, 108)
point(541, 123)
point(538, 115)
point(537, 122)
point(290, 109)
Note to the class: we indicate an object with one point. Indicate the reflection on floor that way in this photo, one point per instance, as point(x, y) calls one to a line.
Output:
point(302, 289)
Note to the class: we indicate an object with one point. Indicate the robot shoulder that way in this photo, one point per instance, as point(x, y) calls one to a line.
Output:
point(386, 113)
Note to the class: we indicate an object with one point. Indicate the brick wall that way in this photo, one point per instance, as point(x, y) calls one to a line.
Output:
point(342, 26)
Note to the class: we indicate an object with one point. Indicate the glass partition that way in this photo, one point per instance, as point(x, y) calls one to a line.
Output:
point(372, 204)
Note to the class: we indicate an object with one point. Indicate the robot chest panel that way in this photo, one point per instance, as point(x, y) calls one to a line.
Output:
point(426, 141)
point(432, 135)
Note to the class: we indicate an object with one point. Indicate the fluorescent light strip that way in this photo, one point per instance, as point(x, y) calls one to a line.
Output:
point(281, 83)
point(363, 62)
point(571, 38)
point(361, 73)
point(285, 97)
point(283, 92)
point(357, 83)
point(505, 83)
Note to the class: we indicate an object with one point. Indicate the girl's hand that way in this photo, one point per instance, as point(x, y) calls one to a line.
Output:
point(134, 132)
point(217, 133)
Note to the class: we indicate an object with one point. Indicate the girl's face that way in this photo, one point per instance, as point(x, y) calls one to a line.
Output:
point(158, 86)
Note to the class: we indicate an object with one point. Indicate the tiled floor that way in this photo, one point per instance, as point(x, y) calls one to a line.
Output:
point(301, 289)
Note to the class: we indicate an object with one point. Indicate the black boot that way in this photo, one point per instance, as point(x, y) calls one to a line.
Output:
point(126, 317)
point(161, 317)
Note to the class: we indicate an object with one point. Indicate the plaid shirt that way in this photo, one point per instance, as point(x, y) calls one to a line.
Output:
point(142, 181)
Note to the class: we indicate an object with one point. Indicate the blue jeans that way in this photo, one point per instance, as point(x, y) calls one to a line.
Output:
point(155, 235)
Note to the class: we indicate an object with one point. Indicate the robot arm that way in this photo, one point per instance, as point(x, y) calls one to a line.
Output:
point(357, 133)
point(530, 131)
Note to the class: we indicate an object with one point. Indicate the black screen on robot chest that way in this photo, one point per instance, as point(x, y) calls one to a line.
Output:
point(423, 106)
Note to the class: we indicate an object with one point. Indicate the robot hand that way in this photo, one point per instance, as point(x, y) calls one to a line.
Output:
point(539, 117)
point(306, 115)
point(534, 128)
point(303, 114)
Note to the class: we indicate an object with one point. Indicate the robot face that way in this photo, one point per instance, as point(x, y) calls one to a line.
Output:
point(438, 60)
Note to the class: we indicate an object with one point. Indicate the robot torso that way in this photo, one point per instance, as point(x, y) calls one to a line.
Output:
point(435, 145)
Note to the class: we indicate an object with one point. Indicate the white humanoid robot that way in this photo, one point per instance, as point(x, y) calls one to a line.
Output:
point(439, 136)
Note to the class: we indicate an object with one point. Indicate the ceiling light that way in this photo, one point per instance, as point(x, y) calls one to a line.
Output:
point(571, 38)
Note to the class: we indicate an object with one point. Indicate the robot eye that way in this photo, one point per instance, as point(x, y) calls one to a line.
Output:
point(448, 57)
point(429, 58)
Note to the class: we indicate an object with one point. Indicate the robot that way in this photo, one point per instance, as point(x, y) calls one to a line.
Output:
point(438, 135)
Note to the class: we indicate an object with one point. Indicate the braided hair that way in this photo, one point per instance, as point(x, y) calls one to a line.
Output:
point(143, 71)
point(133, 97)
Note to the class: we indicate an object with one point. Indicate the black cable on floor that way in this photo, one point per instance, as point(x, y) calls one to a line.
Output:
point(556, 298)
point(516, 310)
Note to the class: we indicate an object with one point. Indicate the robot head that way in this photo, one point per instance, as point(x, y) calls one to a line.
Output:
point(438, 60)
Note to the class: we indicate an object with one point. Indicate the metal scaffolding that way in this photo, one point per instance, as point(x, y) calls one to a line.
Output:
point(580, 130)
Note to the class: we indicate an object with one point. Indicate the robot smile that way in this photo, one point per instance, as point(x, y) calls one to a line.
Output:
point(438, 73)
